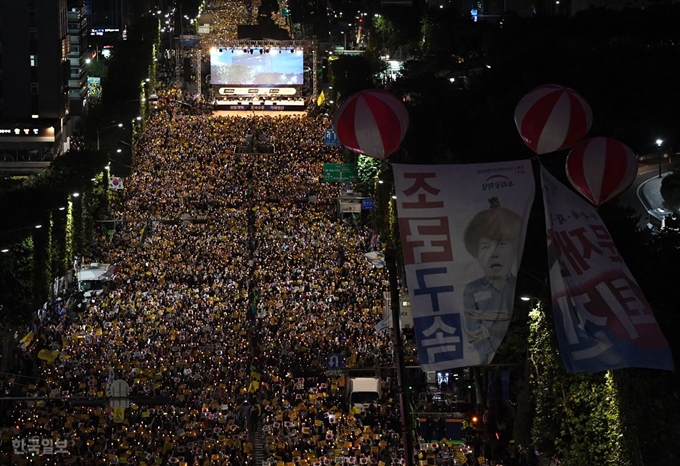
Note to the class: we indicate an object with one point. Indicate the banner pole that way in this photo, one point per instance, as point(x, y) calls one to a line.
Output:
point(404, 404)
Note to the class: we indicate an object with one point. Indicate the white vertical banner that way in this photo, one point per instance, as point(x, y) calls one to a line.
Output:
point(602, 318)
point(462, 235)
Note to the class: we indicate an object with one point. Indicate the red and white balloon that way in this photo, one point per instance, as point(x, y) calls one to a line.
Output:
point(371, 122)
point(601, 168)
point(552, 117)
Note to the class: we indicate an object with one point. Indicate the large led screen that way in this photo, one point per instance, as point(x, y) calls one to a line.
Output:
point(275, 68)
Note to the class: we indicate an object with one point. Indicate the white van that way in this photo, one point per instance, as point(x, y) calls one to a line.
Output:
point(363, 391)
point(91, 278)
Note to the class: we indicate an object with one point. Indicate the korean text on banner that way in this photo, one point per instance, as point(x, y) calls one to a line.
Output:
point(462, 234)
point(603, 320)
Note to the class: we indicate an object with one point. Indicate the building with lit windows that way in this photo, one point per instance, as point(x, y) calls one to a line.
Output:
point(78, 55)
point(34, 75)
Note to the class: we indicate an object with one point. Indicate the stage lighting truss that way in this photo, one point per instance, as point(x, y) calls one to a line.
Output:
point(266, 46)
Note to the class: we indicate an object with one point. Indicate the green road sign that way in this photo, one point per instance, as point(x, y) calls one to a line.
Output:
point(339, 172)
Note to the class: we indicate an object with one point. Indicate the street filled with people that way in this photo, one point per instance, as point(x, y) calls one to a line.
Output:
point(236, 278)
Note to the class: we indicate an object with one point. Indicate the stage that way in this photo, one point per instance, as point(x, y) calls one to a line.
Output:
point(271, 113)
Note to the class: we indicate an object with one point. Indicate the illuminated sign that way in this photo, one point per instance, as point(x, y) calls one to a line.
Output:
point(27, 133)
point(258, 90)
point(101, 32)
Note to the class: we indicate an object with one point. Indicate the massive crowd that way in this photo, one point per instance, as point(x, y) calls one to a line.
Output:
point(227, 15)
point(236, 278)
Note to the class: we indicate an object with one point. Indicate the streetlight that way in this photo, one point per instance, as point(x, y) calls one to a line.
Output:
point(658, 143)
point(100, 131)
point(19, 229)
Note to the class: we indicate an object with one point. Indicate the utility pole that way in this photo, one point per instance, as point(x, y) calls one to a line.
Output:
point(404, 404)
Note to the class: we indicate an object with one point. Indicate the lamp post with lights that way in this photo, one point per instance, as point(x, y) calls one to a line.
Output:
point(5, 250)
point(659, 142)
point(101, 130)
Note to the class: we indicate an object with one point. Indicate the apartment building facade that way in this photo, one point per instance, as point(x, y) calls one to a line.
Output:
point(34, 84)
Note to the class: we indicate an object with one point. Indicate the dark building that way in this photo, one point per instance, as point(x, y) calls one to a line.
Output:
point(78, 55)
point(34, 74)
point(108, 15)
point(115, 16)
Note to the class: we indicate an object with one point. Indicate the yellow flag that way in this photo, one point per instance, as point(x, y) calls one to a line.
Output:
point(321, 99)
point(47, 355)
point(254, 386)
point(28, 338)
point(118, 415)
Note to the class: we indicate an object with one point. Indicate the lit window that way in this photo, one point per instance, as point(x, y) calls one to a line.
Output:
point(34, 60)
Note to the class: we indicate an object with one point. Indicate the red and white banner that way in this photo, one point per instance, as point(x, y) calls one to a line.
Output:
point(462, 234)
point(603, 320)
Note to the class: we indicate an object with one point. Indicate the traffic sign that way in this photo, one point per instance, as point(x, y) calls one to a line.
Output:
point(330, 138)
point(367, 204)
point(339, 172)
point(334, 361)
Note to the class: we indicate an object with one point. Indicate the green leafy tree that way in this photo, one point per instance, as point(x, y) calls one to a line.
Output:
point(367, 173)
point(670, 189)
point(16, 281)
point(350, 74)
point(576, 415)
point(97, 69)
point(396, 27)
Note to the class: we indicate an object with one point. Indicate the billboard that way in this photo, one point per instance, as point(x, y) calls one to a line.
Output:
point(256, 67)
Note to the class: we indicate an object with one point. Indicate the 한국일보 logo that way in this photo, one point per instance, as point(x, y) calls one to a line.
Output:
point(497, 182)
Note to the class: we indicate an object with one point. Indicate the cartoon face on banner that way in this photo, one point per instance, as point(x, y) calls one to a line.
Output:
point(371, 122)
point(462, 230)
point(601, 168)
point(552, 117)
